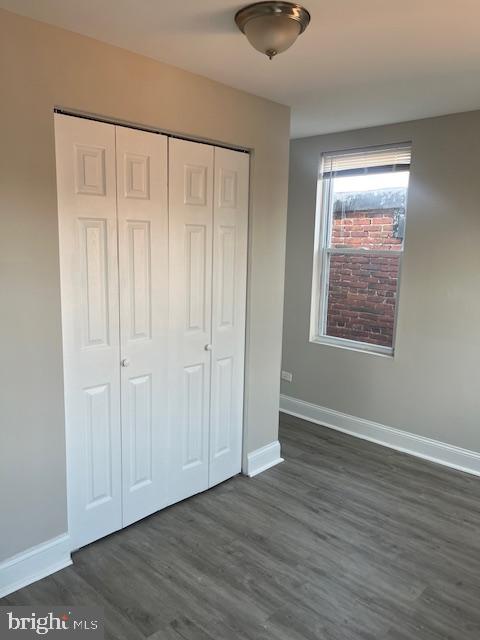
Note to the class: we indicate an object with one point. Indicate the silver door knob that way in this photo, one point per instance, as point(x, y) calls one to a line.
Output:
point(125, 362)
point(208, 347)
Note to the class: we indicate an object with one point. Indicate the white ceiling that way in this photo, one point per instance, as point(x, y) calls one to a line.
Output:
point(360, 62)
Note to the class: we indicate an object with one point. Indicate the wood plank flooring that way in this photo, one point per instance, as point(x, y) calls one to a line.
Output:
point(346, 540)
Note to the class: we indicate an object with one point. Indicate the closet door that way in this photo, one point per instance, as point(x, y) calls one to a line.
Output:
point(230, 230)
point(143, 268)
point(191, 221)
point(85, 154)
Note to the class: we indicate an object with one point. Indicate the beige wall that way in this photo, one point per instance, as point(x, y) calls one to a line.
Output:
point(431, 386)
point(43, 66)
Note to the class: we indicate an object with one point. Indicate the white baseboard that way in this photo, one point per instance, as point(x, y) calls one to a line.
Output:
point(263, 458)
point(34, 564)
point(433, 450)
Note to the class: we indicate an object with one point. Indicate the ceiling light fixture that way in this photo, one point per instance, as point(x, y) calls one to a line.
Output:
point(272, 27)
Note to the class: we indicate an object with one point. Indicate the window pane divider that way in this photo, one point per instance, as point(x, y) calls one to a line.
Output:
point(363, 252)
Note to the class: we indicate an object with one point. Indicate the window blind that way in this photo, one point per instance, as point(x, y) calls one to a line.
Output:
point(366, 161)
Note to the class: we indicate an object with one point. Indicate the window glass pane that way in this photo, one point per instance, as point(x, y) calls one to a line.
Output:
point(361, 299)
point(368, 211)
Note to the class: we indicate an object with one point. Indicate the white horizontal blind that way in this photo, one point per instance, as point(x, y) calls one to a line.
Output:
point(367, 161)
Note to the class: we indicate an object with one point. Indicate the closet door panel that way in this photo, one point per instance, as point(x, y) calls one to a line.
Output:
point(143, 269)
point(230, 230)
point(190, 215)
point(85, 155)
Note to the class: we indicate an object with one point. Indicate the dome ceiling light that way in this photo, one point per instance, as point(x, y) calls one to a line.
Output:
point(272, 27)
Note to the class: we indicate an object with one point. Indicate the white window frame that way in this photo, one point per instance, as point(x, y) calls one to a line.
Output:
point(322, 252)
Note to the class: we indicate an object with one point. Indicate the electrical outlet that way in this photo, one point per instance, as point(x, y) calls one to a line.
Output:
point(287, 376)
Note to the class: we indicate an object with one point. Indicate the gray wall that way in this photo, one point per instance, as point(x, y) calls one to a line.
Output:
point(43, 66)
point(432, 385)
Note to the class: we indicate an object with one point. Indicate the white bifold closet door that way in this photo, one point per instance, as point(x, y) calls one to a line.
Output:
point(229, 283)
point(208, 213)
point(191, 228)
point(143, 275)
point(153, 261)
point(113, 228)
point(87, 204)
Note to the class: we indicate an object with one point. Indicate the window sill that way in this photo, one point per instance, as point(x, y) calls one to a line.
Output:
point(351, 345)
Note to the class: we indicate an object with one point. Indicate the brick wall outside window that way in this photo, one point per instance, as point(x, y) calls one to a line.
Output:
point(362, 291)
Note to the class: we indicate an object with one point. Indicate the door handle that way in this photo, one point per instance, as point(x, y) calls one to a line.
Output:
point(125, 362)
point(208, 347)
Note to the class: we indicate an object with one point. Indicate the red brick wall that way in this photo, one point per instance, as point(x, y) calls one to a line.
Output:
point(362, 289)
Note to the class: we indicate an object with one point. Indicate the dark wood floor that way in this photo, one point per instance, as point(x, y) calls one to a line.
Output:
point(346, 540)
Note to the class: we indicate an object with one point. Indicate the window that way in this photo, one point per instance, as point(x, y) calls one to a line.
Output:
point(362, 198)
